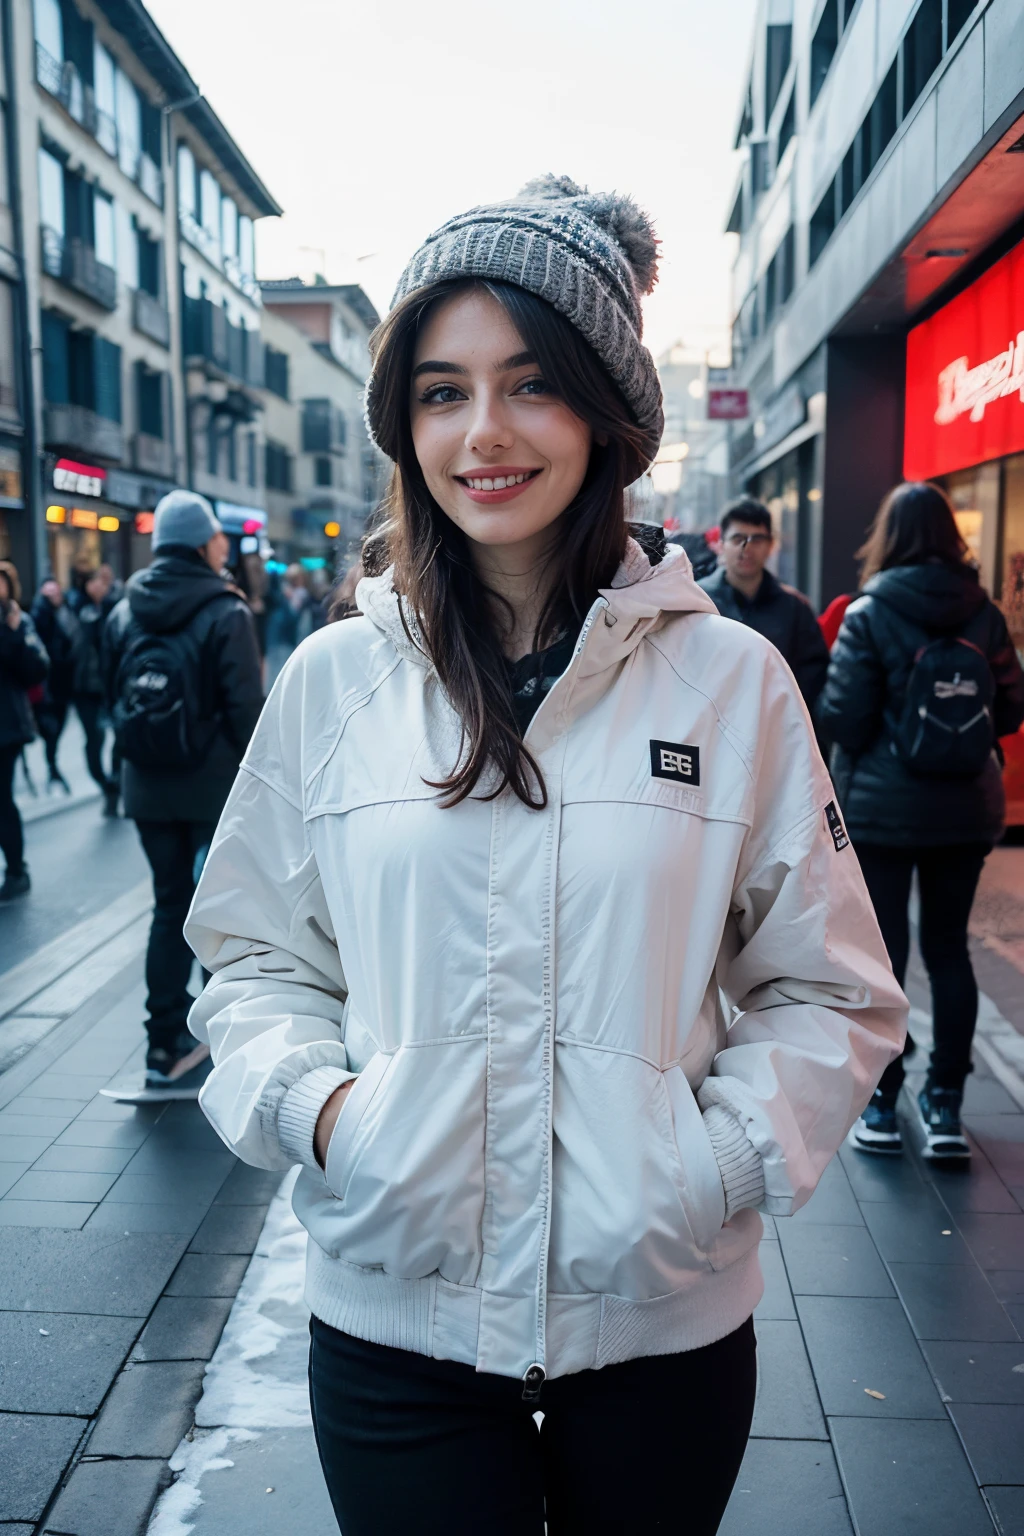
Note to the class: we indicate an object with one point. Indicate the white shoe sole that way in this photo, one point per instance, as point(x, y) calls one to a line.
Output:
point(882, 1143)
point(940, 1149)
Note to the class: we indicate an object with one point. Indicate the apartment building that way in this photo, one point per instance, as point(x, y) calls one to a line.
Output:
point(17, 451)
point(323, 474)
point(141, 300)
point(881, 185)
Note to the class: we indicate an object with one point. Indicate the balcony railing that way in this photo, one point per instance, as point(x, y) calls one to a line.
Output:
point(62, 80)
point(74, 263)
point(153, 456)
point(77, 428)
point(210, 336)
point(151, 318)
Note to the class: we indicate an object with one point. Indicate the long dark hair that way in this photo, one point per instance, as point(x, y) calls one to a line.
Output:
point(433, 568)
point(914, 524)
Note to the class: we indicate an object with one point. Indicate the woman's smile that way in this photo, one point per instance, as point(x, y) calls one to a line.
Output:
point(497, 484)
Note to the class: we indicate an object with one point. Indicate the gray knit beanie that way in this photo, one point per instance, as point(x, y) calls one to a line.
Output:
point(184, 518)
point(591, 255)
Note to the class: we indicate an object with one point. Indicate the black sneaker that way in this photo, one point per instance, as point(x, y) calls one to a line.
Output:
point(177, 1075)
point(939, 1109)
point(111, 799)
point(877, 1130)
point(15, 885)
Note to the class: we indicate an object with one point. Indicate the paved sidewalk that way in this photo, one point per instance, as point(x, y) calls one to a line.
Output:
point(31, 790)
point(891, 1367)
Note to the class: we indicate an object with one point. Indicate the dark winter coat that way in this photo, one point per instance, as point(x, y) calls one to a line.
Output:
point(176, 592)
point(783, 616)
point(23, 665)
point(91, 621)
point(58, 629)
point(901, 610)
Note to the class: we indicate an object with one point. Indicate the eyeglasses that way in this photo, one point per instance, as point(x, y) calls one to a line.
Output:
point(741, 540)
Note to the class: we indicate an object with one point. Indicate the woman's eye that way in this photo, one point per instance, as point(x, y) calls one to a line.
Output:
point(533, 387)
point(441, 394)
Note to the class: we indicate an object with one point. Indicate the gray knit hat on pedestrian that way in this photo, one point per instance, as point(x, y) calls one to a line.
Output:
point(591, 255)
point(183, 518)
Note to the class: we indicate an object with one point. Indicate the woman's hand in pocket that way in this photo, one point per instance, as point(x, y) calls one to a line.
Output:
point(327, 1120)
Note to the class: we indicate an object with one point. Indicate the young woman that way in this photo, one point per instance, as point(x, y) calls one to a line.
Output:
point(536, 938)
point(23, 665)
point(908, 803)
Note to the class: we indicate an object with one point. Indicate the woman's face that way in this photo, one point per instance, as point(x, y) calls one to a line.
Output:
point(502, 455)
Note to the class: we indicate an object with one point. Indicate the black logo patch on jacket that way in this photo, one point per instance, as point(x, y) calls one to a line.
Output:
point(676, 761)
point(835, 826)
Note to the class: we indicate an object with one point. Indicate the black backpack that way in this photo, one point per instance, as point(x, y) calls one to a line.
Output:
point(946, 728)
point(161, 721)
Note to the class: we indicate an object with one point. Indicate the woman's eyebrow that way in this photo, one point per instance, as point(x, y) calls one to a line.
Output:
point(432, 365)
point(517, 360)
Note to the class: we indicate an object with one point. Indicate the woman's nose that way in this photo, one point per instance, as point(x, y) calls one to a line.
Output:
point(489, 427)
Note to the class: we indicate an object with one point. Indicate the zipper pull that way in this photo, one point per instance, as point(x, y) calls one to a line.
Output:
point(533, 1380)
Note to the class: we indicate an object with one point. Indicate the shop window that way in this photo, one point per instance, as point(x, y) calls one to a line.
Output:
point(1011, 584)
point(777, 56)
point(823, 222)
point(922, 51)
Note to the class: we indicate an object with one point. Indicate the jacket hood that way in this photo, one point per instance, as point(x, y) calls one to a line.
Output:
point(167, 594)
point(938, 597)
point(640, 599)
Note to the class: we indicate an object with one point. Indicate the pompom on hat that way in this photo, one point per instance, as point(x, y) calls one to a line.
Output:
point(591, 255)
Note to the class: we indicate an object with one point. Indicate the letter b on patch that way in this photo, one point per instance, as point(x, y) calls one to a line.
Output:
point(675, 761)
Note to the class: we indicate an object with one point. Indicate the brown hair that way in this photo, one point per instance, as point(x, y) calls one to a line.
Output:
point(13, 583)
point(914, 524)
point(433, 567)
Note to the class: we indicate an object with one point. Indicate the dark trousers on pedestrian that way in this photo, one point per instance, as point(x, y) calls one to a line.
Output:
point(51, 719)
point(171, 848)
point(90, 712)
point(12, 842)
point(947, 878)
point(411, 1444)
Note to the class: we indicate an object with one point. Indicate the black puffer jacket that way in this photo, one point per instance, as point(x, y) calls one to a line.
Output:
point(23, 664)
point(176, 592)
point(901, 610)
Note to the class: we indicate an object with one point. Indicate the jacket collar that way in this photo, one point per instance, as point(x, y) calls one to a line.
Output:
point(640, 599)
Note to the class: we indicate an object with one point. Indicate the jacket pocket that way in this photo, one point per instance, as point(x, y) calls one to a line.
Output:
point(338, 1163)
point(701, 1189)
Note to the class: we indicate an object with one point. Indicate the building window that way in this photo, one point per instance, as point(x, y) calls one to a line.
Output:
point(231, 436)
point(823, 47)
point(149, 404)
point(103, 225)
point(149, 263)
point(787, 127)
point(129, 126)
point(250, 458)
point(823, 222)
point(212, 447)
point(777, 57)
point(108, 378)
point(246, 247)
point(322, 470)
point(275, 365)
point(956, 18)
point(186, 182)
point(80, 368)
point(922, 51)
point(278, 467)
point(209, 210)
point(49, 28)
point(51, 192)
point(881, 122)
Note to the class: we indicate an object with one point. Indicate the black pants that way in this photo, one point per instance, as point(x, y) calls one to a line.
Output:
point(410, 1444)
point(171, 848)
point(90, 712)
point(947, 879)
point(51, 719)
point(12, 842)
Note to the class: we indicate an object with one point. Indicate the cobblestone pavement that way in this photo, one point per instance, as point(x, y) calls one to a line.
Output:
point(144, 1349)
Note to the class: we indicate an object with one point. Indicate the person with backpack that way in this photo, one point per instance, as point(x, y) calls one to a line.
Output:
point(183, 680)
point(922, 682)
point(23, 666)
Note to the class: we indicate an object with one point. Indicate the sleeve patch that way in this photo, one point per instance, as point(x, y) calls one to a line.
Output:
point(834, 822)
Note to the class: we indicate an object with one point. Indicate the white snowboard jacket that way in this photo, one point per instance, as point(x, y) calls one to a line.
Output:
point(588, 1039)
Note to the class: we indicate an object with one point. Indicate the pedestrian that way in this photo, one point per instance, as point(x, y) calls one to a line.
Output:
point(183, 676)
point(58, 629)
point(23, 665)
point(923, 681)
point(744, 589)
point(91, 600)
point(497, 842)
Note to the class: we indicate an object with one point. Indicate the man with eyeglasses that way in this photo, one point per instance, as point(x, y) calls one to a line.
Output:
point(744, 590)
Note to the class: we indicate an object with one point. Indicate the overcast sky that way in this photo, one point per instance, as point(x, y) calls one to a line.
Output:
point(372, 121)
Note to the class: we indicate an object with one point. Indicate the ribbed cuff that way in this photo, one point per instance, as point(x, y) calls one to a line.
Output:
point(739, 1161)
point(300, 1109)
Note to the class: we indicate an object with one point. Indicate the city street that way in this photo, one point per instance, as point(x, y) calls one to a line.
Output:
point(153, 1334)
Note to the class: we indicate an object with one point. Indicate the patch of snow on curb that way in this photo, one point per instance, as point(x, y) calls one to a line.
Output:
point(204, 1453)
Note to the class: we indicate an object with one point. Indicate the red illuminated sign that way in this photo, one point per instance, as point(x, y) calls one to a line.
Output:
point(81, 479)
point(965, 376)
point(727, 405)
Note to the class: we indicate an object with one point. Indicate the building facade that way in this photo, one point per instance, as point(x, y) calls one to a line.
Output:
point(882, 174)
point(324, 476)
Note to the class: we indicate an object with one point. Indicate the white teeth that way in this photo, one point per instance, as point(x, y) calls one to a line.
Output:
point(494, 483)
point(486, 484)
point(499, 483)
point(520, 479)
